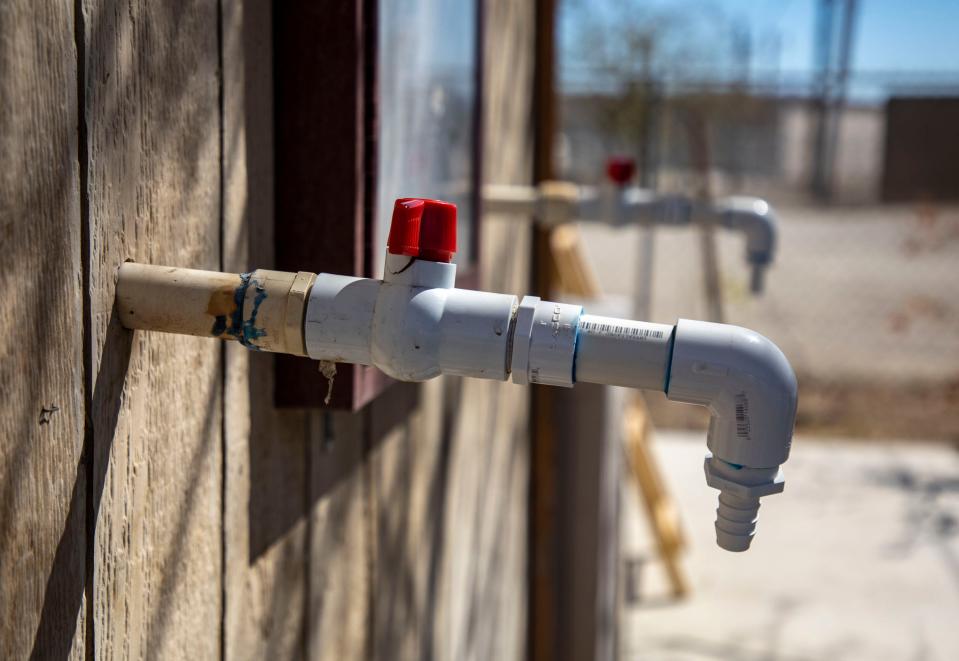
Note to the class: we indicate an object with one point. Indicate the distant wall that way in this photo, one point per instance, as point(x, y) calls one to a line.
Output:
point(153, 502)
point(922, 150)
point(759, 146)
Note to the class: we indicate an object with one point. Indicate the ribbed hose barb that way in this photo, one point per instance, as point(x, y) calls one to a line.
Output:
point(739, 491)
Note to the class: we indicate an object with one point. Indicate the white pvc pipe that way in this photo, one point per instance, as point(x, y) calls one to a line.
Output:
point(475, 334)
point(622, 352)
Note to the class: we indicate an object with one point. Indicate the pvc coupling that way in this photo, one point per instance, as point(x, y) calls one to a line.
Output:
point(544, 342)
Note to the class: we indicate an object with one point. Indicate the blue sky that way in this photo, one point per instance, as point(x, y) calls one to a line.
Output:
point(898, 36)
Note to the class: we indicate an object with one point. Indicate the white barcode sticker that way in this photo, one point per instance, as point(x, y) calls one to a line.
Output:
point(612, 329)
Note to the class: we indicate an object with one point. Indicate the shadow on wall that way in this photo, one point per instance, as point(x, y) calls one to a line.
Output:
point(295, 458)
point(106, 102)
point(65, 587)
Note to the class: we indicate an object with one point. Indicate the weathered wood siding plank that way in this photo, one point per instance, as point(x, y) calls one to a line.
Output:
point(42, 478)
point(409, 462)
point(341, 550)
point(266, 470)
point(152, 112)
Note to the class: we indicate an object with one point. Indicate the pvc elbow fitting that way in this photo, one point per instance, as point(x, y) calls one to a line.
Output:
point(757, 220)
point(750, 389)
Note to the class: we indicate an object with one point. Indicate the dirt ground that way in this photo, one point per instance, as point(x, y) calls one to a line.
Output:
point(858, 559)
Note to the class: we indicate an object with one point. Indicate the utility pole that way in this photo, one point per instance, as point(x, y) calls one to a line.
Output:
point(648, 138)
point(833, 57)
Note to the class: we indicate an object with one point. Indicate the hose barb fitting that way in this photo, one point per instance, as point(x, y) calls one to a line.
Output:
point(740, 488)
point(750, 390)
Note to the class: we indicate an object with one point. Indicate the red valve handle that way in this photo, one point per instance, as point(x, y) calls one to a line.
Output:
point(620, 169)
point(423, 228)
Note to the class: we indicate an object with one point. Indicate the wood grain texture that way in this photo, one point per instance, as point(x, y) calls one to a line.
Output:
point(341, 548)
point(266, 472)
point(409, 470)
point(42, 478)
point(152, 112)
point(589, 433)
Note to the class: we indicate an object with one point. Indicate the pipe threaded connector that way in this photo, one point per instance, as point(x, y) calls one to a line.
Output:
point(736, 519)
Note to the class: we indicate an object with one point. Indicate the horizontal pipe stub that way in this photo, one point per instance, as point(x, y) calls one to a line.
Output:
point(263, 309)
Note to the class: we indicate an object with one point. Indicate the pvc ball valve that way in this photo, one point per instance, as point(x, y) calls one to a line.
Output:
point(749, 215)
point(415, 325)
point(554, 203)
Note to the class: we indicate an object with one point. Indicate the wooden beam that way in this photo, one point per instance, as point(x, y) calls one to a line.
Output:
point(544, 529)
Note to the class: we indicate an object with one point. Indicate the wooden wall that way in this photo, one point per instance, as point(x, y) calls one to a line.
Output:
point(43, 470)
point(153, 502)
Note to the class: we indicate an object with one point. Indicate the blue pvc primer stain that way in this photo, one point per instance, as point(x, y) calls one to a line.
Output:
point(582, 311)
point(244, 330)
point(669, 360)
point(250, 331)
